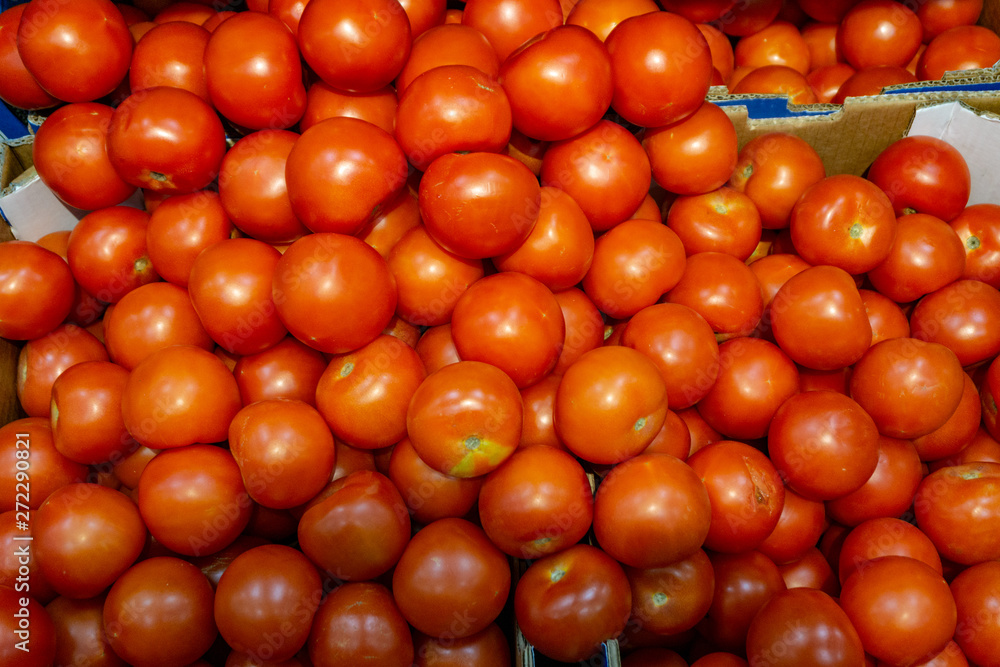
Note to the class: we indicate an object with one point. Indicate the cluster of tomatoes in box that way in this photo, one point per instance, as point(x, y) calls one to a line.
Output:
point(372, 342)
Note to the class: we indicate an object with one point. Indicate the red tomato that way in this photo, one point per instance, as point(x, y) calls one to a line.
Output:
point(289, 369)
point(452, 108)
point(975, 592)
point(539, 401)
point(17, 86)
point(956, 507)
point(888, 492)
point(776, 79)
point(171, 54)
point(936, 16)
point(749, 17)
point(107, 252)
point(923, 175)
point(956, 433)
point(429, 494)
point(465, 419)
point(377, 107)
point(821, 303)
point(399, 216)
point(723, 58)
point(610, 404)
point(651, 511)
point(967, 325)
point(36, 290)
point(720, 288)
point(487, 648)
point(359, 45)
point(584, 327)
point(180, 228)
point(822, 635)
point(424, 14)
point(682, 345)
point(722, 220)
point(451, 581)
point(774, 170)
point(370, 170)
point(886, 318)
point(755, 378)
point(604, 169)
point(879, 33)
point(634, 264)
point(151, 318)
point(978, 227)
point(871, 81)
point(321, 303)
point(959, 48)
point(695, 154)
point(743, 585)
point(826, 81)
point(926, 381)
point(510, 23)
point(360, 623)
point(901, 608)
point(559, 83)
point(71, 157)
point(176, 626)
point(436, 348)
point(77, 52)
point(601, 17)
point(884, 536)
point(780, 43)
point(672, 599)
point(30, 439)
point(566, 604)
point(364, 394)
point(44, 359)
point(448, 45)
point(79, 631)
point(178, 396)
point(192, 11)
point(799, 527)
point(538, 502)
point(284, 450)
point(87, 424)
point(40, 635)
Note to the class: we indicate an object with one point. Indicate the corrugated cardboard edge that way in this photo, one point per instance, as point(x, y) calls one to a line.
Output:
point(15, 157)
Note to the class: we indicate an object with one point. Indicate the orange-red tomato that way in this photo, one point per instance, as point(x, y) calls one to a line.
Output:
point(780, 43)
point(776, 80)
point(601, 17)
point(693, 155)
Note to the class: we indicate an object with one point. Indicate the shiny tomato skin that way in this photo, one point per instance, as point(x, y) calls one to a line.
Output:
point(743, 584)
point(723, 290)
point(44, 359)
point(172, 54)
point(359, 45)
point(79, 631)
point(956, 507)
point(584, 327)
point(604, 169)
point(519, 499)
point(18, 88)
point(178, 626)
point(776, 80)
point(448, 44)
point(978, 227)
point(37, 290)
point(377, 107)
point(722, 220)
point(672, 599)
point(962, 317)
point(957, 49)
point(70, 155)
point(559, 83)
point(180, 228)
point(923, 174)
point(661, 66)
point(879, 33)
point(87, 425)
point(479, 205)
point(290, 369)
point(107, 252)
point(601, 17)
point(821, 303)
point(745, 491)
point(651, 510)
point(253, 72)
point(321, 304)
point(888, 491)
point(451, 581)
point(486, 648)
point(341, 172)
point(885, 316)
point(975, 592)
point(871, 81)
point(49, 469)
point(695, 154)
point(430, 495)
point(956, 433)
point(780, 43)
point(360, 622)
point(508, 24)
point(799, 528)
point(465, 419)
point(179, 396)
point(69, 558)
point(884, 536)
point(925, 256)
point(166, 140)
point(77, 52)
point(567, 603)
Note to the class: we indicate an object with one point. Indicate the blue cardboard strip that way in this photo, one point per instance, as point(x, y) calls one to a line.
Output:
point(10, 126)
point(772, 107)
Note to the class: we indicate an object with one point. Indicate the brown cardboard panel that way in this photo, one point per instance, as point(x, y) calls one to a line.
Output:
point(10, 409)
point(991, 15)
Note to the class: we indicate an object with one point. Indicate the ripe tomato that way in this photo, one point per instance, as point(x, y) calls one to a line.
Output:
point(776, 79)
point(538, 502)
point(871, 81)
point(956, 433)
point(44, 359)
point(672, 599)
point(956, 508)
point(602, 17)
point(967, 325)
point(559, 83)
point(661, 65)
point(604, 169)
point(610, 404)
point(289, 369)
point(799, 527)
point(436, 348)
point(745, 491)
point(743, 585)
point(399, 216)
point(651, 511)
point(429, 494)
point(821, 303)
point(42, 633)
point(178, 396)
point(176, 626)
point(695, 154)
point(885, 316)
point(166, 139)
point(926, 380)
point(722, 220)
point(723, 58)
point(975, 592)
point(888, 492)
point(48, 469)
point(774, 170)
point(284, 450)
point(253, 72)
point(171, 54)
point(360, 622)
point(465, 419)
point(780, 43)
point(87, 424)
point(79, 632)
point(879, 33)
point(452, 108)
point(510, 23)
point(822, 635)
point(377, 107)
point(77, 52)
point(567, 603)
point(884, 536)
point(363, 395)
point(180, 228)
point(720, 288)
point(499, 309)
point(747, 18)
point(321, 303)
point(923, 175)
point(107, 252)
point(36, 290)
point(487, 648)
point(902, 609)
point(755, 378)
point(71, 157)
point(17, 86)
point(978, 227)
point(448, 45)
point(959, 48)
point(826, 81)
point(584, 327)
point(451, 581)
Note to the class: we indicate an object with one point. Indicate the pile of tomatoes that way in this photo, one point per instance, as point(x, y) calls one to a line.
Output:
point(440, 319)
